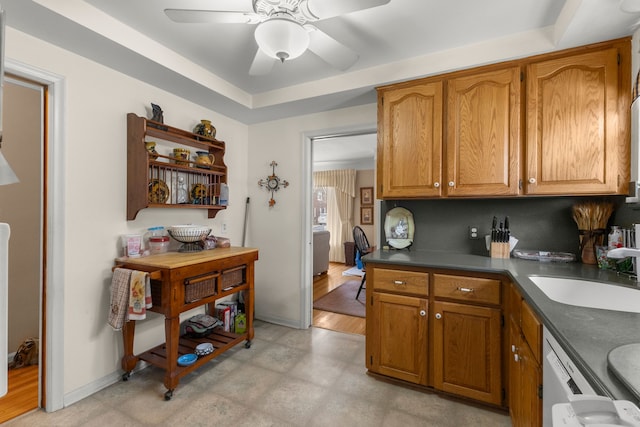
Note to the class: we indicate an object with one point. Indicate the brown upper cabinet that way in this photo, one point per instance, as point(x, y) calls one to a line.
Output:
point(483, 133)
point(410, 140)
point(553, 124)
point(577, 123)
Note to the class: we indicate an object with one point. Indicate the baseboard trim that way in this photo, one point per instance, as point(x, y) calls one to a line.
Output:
point(97, 385)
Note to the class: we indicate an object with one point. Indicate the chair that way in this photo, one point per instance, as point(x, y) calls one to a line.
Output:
point(363, 247)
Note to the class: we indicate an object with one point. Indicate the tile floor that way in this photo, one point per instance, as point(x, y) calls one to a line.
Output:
point(288, 377)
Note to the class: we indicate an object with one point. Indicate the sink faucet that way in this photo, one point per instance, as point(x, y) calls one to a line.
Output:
point(619, 253)
point(623, 253)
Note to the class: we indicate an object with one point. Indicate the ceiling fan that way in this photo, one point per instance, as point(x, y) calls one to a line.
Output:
point(283, 29)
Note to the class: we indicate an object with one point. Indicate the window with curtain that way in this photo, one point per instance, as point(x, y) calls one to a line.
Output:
point(340, 193)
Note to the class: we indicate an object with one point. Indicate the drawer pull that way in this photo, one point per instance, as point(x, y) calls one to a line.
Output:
point(465, 289)
point(399, 282)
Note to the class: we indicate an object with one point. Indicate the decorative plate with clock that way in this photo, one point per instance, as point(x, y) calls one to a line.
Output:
point(273, 183)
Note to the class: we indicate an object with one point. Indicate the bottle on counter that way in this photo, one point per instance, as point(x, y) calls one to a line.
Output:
point(616, 237)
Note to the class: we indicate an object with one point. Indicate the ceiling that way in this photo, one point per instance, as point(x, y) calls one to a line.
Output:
point(404, 39)
point(355, 151)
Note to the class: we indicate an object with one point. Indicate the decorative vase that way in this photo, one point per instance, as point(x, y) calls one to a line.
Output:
point(589, 239)
point(205, 128)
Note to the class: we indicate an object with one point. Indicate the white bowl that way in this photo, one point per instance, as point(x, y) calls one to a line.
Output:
point(189, 233)
point(204, 349)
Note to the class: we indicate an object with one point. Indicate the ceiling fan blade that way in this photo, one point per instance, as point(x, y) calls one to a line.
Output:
point(209, 16)
point(324, 9)
point(330, 50)
point(262, 64)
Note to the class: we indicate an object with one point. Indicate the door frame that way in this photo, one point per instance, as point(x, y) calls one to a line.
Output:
point(52, 292)
point(306, 279)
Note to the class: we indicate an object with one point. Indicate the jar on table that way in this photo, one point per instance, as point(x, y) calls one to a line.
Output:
point(157, 240)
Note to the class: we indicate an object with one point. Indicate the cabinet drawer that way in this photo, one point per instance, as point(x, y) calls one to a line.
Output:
point(469, 289)
point(411, 282)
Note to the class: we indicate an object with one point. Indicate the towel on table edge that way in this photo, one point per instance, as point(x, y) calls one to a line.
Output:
point(139, 295)
point(120, 297)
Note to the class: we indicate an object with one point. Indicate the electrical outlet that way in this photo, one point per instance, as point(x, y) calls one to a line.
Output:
point(474, 232)
point(223, 228)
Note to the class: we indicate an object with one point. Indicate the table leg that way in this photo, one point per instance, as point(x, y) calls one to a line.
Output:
point(129, 360)
point(172, 339)
point(248, 302)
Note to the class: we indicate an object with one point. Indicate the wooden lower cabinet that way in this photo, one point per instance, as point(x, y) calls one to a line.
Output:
point(442, 331)
point(525, 370)
point(397, 341)
point(465, 335)
point(467, 351)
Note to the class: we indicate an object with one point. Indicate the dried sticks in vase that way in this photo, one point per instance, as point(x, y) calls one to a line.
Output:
point(591, 218)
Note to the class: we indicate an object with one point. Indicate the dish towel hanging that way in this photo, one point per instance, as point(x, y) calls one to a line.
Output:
point(130, 296)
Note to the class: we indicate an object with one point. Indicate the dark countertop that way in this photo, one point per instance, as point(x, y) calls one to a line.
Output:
point(586, 334)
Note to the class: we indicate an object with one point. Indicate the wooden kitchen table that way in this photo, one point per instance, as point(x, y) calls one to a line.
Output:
point(181, 282)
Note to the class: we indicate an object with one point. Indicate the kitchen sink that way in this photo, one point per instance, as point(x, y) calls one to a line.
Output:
point(587, 293)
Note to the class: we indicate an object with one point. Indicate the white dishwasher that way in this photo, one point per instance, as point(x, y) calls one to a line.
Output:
point(560, 377)
point(569, 401)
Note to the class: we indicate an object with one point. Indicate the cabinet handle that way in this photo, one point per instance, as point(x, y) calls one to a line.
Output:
point(465, 289)
point(438, 316)
point(513, 348)
point(532, 180)
point(436, 184)
point(452, 184)
point(516, 358)
point(423, 313)
point(399, 282)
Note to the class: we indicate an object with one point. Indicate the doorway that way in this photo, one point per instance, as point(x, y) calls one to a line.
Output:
point(23, 208)
point(353, 151)
point(51, 368)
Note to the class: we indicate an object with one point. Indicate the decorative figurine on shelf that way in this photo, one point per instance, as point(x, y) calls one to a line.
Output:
point(205, 128)
point(272, 183)
point(151, 149)
point(157, 113)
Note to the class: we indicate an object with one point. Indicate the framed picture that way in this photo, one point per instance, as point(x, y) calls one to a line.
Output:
point(366, 215)
point(366, 195)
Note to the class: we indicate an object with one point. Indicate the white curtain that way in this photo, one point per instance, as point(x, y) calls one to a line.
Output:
point(341, 185)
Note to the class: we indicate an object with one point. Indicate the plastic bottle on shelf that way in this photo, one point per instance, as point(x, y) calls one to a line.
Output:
point(224, 194)
point(616, 237)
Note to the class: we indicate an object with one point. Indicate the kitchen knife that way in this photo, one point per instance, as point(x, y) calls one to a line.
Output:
point(507, 233)
point(494, 232)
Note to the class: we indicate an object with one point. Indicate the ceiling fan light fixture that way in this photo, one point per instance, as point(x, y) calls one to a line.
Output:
point(282, 38)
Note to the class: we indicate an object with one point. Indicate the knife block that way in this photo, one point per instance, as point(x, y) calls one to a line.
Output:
point(500, 250)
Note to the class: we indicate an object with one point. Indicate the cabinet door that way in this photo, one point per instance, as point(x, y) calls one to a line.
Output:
point(410, 141)
point(483, 134)
point(398, 342)
point(574, 126)
point(515, 395)
point(530, 382)
point(467, 351)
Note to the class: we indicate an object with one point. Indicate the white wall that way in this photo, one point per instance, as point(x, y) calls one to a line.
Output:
point(97, 102)
point(280, 273)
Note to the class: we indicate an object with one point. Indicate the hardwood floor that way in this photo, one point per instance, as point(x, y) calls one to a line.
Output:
point(22, 396)
point(322, 285)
